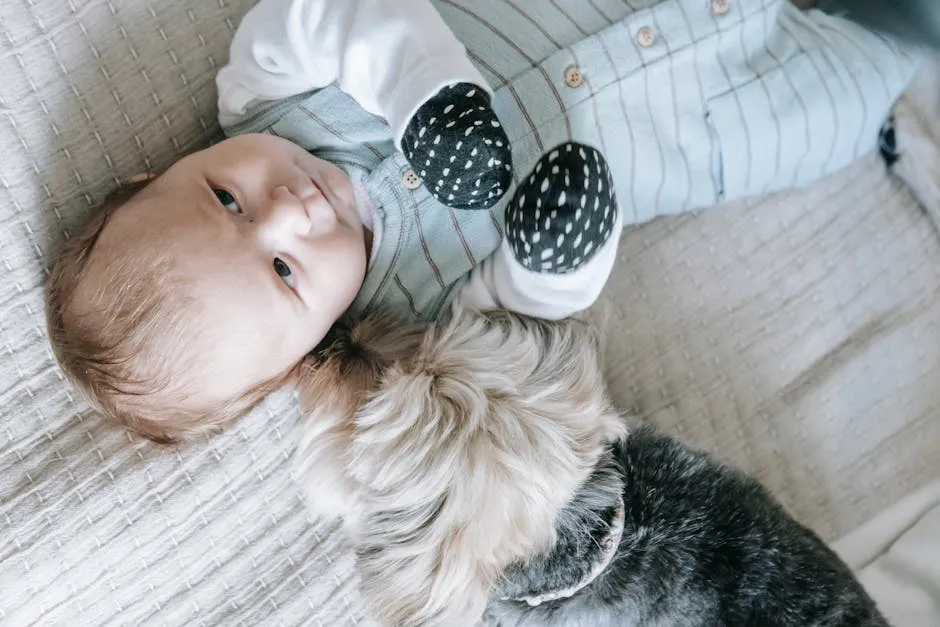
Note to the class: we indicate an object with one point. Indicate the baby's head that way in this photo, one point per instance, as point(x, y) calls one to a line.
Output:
point(192, 295)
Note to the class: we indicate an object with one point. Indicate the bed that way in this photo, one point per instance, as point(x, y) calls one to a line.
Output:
point(795, 335)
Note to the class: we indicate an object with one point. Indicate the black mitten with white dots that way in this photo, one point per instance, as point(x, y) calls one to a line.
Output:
point(563, 212)
point(458, 147)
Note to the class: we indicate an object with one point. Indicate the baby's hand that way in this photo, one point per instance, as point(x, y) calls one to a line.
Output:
point(458, 147)
point(563, 212)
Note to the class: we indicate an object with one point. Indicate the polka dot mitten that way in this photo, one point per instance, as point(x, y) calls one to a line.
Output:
point(459, 149)
point(563, 212)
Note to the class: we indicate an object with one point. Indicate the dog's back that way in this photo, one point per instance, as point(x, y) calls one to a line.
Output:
point(703, 544)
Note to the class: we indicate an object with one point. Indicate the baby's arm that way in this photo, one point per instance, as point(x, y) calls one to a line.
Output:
point(389, 56)
point(562, 229)
point(398, 60)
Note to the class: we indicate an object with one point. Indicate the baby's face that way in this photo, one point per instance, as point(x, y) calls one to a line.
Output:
point(269, 239)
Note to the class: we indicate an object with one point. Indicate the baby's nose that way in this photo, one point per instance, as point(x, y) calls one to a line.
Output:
point(285, 214)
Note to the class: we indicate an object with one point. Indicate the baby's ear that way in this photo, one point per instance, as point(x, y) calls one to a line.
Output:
point(141, 177)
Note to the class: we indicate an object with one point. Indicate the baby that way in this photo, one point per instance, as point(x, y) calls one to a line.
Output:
point(369, 169)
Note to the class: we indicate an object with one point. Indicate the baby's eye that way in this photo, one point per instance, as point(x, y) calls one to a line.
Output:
point(228, 201)
point(283, 270)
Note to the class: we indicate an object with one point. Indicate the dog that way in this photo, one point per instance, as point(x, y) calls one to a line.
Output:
point(483, 474)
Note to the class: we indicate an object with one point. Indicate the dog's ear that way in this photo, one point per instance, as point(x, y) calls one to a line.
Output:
point(334, 383)
point(465, 456)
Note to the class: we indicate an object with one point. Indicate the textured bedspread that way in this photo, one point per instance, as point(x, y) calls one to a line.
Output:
point(795, 335)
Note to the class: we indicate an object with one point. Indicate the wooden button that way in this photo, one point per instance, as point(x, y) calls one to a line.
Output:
point(573, 76)
point(645, 37)
point(411, 180)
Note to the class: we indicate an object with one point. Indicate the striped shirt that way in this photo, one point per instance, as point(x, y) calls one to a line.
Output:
point(690, 101)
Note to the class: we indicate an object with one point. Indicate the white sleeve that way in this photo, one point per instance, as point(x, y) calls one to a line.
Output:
point(501, 282)
point(389, 55)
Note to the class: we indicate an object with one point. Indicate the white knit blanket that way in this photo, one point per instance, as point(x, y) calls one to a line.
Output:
point(796, 336)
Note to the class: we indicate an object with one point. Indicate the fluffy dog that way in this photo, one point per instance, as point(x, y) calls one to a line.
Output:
point(481, 470)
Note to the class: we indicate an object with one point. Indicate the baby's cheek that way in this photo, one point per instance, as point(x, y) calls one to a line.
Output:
point(340, 183)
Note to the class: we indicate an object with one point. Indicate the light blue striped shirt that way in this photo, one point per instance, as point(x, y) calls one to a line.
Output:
point(691, 102)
